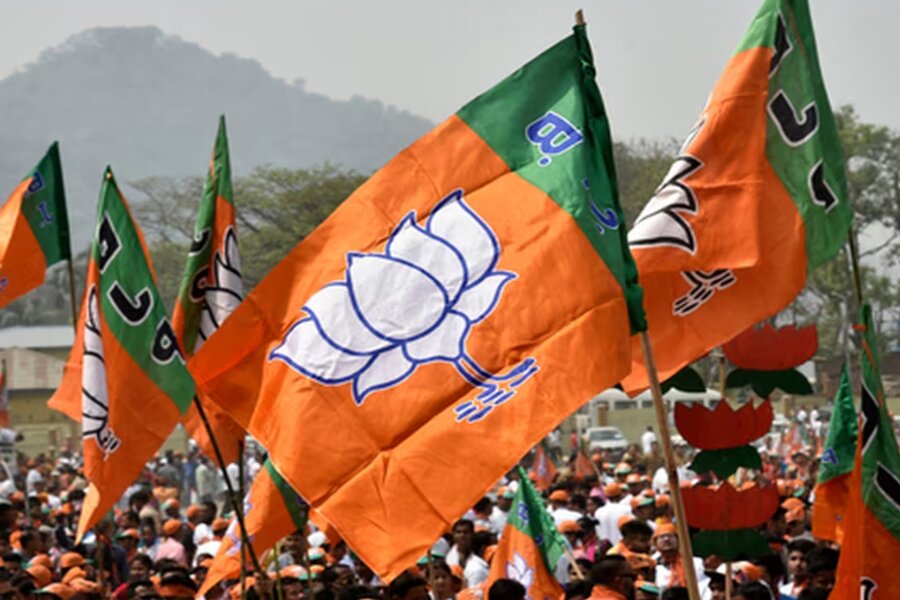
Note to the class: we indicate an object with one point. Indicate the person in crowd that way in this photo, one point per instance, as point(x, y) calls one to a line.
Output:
point(612, 578)
point(462, 553)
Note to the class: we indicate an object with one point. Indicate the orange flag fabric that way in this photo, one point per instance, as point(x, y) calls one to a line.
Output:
point(756, 198)
point(444, 319)
point(272, 510)
point(125, 379)
point(211, 289)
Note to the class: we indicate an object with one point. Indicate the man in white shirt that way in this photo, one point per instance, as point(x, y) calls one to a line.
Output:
point(609, 514)
point(559, 508)
point(500, 511)
point(647, 439)
point(475, 569)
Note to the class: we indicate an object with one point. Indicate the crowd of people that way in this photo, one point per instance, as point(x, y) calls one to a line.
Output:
point(617, 522)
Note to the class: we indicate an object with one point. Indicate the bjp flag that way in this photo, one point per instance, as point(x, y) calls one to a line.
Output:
point(211, 288)
point(34, 229)
point(832, 492)
point(444, 319)
point(125, 379)
point(543, 471)
point(756, 198)
point(530, 548)
point(867, 569)
point(272, 510)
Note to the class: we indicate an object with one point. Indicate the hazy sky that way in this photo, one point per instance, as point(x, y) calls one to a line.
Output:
point(657, 60)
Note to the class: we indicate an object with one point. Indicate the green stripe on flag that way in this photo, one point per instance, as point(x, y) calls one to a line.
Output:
point(880, 459)
point(131, 306)
point(839, 453)
point(296, 507)
point(557, 137)
point(802, 142)
point(528, 515)
point(44, 206)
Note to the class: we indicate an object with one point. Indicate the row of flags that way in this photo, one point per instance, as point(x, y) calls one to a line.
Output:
point(459, 304)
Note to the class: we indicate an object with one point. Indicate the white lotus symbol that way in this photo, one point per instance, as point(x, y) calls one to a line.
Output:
point(518, 570)
point(413, 304)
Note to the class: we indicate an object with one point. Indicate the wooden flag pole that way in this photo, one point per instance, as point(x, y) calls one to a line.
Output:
point(722, 379)
point(72, 294)
point(235, 501)
point(684, 540)
point(240, 445)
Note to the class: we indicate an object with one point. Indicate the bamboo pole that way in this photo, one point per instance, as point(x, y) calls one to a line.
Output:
point(684, 540)
point(71, 269)
point(241, 495)
point(235, 501)
point(728, 582)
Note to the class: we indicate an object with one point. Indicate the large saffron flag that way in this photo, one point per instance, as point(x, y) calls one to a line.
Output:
point(272, 510)
point(446, 317)
point(34, 228)
point(211, 288)
point(755, 199)
point(838, 456)
point(531, 547)
point(867, 567)
point(125, 379)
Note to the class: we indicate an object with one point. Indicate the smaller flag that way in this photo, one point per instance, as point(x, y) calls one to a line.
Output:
point(531, 547)
point(272, 510)
point(34, 229)
point(867, 569)
point(584, 468)
point(543, 471)
point(125, 378)
point(4, 398)
point(833, 486)
point(211, 288)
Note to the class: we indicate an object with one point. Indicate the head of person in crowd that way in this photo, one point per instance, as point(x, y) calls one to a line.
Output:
point(663, 504)
point(138, 501)
point(675, 593)
point(753, 590)
point(291, 588)
point(622, 471)
point(643, 506)
point(558, 498)
point(635, 484)
point(571, 530)
point(128, 539)
point(295, 546)
point(506, 589)
point(665, 541)
point(338, 577)
point(584, 566)
point(775, 526)
point(141, 589)
point(177, 585)
point(646, 590)
point(614, 572)
point(772, 569)
point(578, 589)
point(814, 594)
point(614, 491)
point(148, 535)
point(463, 534)
point(716, 585)
point(797, 551)
point(140, 567)
point(821, 564)
point(445, 586)
point(408, 586)
point(504, 498)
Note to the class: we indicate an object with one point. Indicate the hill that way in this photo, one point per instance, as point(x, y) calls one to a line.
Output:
point(147, 103)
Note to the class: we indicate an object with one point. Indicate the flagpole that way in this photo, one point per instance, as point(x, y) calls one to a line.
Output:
point(240, 446)
point(684, 541)
point(72, 294)
point(729, 584)
point(235, 501)
point(854, 264)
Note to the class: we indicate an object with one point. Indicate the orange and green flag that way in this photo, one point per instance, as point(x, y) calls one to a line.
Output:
point(756, 198)
point(125, 379)
point(445, 318)
point(867, 567)
point(531, 547)
point(272, 510)
point(832, 492)
point(543, 471)
point(34, 229)
point(211, 289)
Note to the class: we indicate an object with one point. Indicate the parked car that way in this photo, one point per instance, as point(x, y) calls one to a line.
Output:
point(605, 438)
